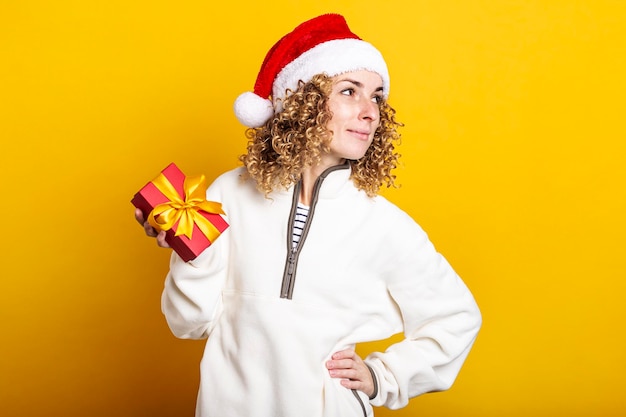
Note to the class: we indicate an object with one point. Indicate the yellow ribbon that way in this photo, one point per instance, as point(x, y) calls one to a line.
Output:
point(185, 210)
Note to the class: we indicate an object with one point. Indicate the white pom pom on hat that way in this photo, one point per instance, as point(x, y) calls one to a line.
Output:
point(252, 110)
point(323, 44)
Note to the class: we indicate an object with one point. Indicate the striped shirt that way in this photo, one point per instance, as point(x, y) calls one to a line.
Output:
point(302, 212)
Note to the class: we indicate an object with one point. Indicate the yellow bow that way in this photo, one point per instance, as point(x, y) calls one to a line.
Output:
point(185, 209)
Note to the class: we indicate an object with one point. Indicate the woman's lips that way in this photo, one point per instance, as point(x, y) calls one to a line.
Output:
point(361, 134)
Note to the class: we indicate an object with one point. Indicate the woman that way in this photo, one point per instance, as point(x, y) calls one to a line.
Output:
point(314, 261)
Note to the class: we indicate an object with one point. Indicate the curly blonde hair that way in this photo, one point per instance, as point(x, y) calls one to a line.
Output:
point(297, 136)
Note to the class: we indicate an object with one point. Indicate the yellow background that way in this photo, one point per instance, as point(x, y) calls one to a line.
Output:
point(513, 161)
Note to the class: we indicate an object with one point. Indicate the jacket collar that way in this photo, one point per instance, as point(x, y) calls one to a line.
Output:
point(334, 180)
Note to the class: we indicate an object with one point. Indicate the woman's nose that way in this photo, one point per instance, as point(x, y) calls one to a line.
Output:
point(369, 110)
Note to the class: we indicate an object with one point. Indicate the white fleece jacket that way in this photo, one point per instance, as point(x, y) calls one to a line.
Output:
point(366, 271)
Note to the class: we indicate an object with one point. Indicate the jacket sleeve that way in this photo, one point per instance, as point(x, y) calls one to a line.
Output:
point(191, 297)
point(441, 321)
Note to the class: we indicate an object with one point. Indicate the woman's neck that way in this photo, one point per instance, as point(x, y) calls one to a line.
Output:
point(309, 177)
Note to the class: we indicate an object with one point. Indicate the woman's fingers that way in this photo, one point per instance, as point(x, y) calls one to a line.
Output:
point(353, 372)
point(151, 231)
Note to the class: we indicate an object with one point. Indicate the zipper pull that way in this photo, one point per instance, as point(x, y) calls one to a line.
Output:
point(291, 266)
point(292, 263)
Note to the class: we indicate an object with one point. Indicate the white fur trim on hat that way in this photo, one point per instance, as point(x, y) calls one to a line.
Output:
point(332, 58)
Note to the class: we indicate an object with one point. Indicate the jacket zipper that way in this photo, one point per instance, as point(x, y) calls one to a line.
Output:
point(293, 253)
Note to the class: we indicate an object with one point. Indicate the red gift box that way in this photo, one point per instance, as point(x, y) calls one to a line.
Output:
point(177, 204)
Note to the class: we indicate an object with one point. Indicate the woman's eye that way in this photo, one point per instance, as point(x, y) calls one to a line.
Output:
point(377, 99)
point(347, 92)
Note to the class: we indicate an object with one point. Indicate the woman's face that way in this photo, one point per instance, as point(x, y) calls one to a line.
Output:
point(354, 104)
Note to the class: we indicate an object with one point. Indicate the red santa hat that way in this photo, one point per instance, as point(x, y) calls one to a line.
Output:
point(323, 44)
